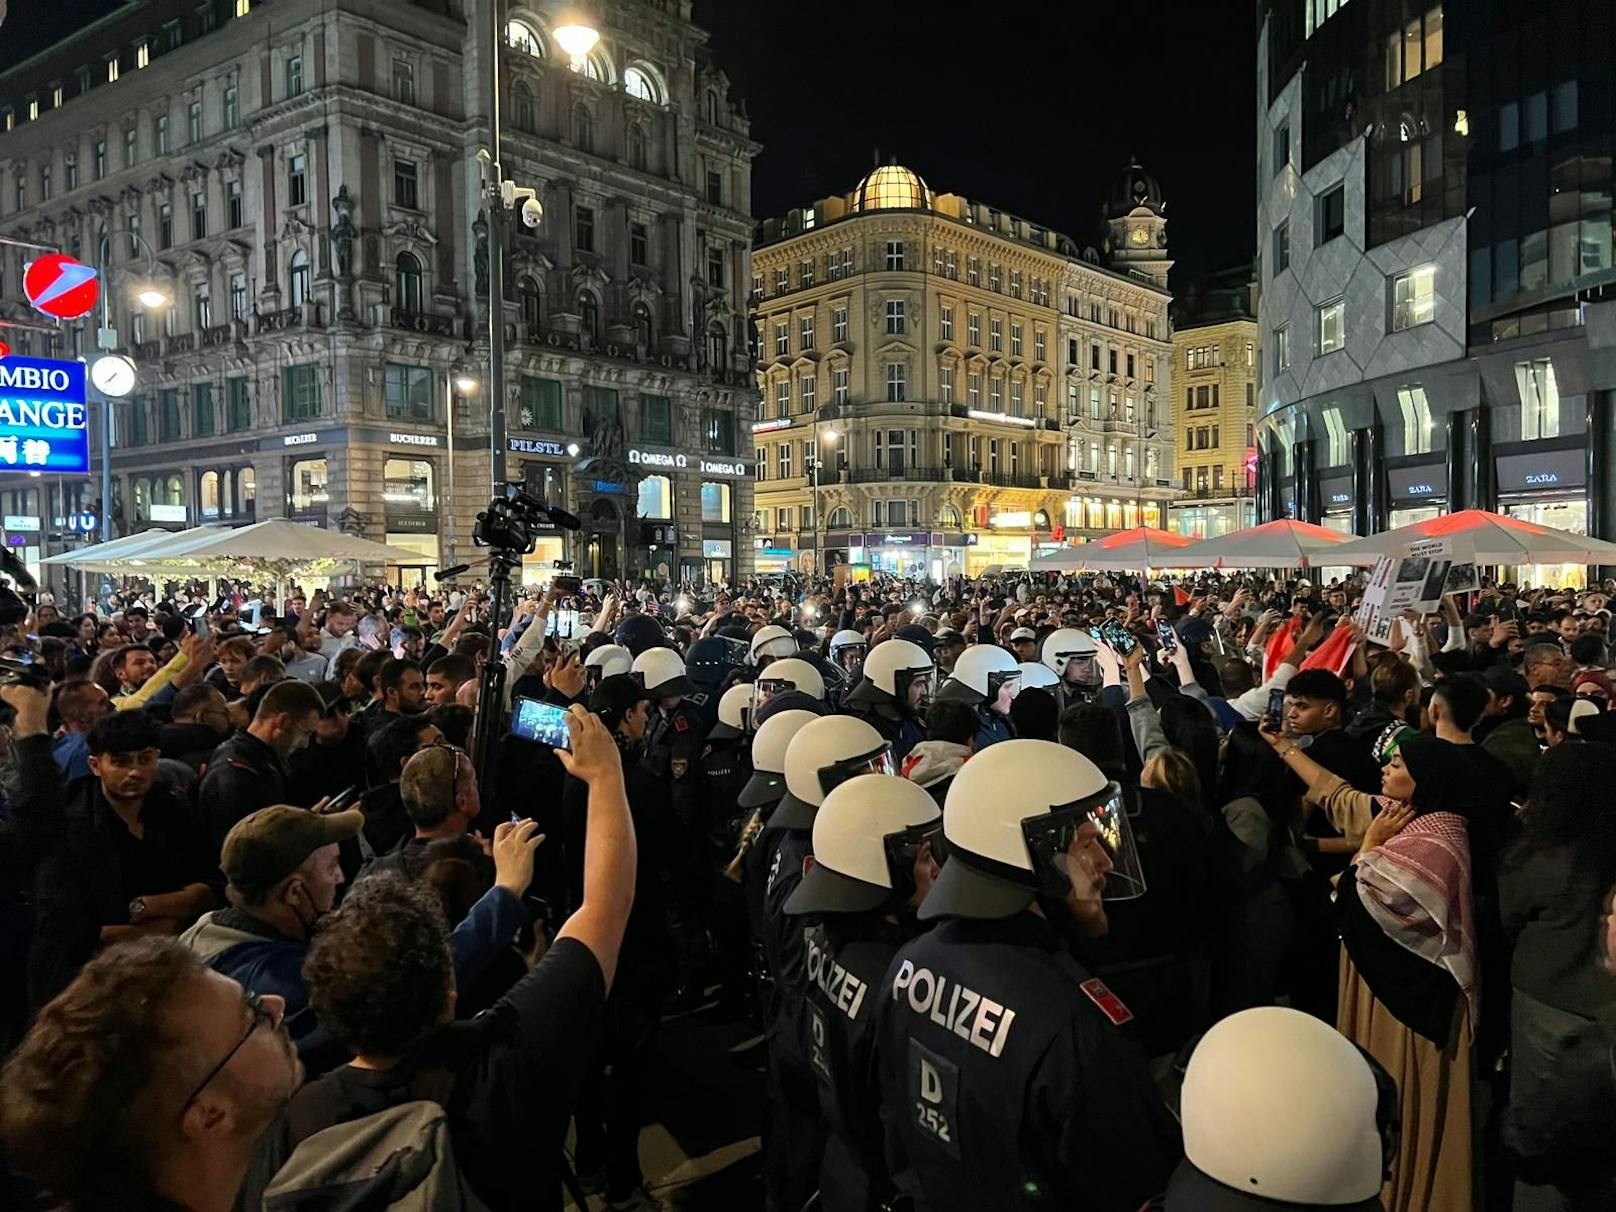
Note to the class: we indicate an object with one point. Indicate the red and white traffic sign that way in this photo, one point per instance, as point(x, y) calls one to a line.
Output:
point(61, 287)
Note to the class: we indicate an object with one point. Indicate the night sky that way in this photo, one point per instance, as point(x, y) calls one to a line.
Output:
point(1031, 107)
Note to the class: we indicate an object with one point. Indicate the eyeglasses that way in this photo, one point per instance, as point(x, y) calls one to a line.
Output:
point(261, 1016)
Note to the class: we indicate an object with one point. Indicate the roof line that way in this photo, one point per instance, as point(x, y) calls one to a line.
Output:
point(77, 36)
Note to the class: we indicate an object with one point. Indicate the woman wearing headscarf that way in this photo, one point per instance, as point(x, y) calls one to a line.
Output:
point(1408, 966)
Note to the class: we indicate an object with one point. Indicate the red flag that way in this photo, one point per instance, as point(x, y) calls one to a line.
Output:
point(1180, 598)
point(1334, 654)
point(1278, 645)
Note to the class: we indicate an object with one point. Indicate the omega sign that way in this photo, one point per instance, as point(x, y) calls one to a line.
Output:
point(680, 462)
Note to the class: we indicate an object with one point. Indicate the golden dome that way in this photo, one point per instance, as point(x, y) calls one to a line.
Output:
point(891, 187)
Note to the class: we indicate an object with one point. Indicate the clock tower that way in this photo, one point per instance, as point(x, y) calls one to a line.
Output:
point(1136, 226)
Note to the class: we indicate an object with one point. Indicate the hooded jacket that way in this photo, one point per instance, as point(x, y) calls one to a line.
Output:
point(933, 765)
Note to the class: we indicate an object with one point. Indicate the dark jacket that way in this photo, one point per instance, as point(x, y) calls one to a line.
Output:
point(1562, 1134)
point(192, 744)
point(86, 866)
point(1513, 740)
point(244, 775)
point(1550, 904)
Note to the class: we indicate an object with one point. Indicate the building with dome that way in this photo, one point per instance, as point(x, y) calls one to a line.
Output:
point(947, 387)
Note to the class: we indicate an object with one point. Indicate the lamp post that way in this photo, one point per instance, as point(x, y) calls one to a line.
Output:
point(454, 382)
point(829, 436)
point(112, 375)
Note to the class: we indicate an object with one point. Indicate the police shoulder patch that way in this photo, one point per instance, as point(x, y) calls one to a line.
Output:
point(681, 724)
point(1109, 1003)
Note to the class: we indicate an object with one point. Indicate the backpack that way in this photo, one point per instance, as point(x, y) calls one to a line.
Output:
point(398, 1160)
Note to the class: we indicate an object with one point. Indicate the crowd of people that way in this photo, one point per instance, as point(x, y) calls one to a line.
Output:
point(1081, 892)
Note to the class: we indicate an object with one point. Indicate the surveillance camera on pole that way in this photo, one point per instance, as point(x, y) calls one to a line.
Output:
point(531, 209)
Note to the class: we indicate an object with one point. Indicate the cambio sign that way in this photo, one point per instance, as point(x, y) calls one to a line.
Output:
point(43, 422)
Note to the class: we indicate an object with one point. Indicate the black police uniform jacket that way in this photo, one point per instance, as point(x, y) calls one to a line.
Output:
point(782, 938)
point(845, 973)
point(673, 744)
point(1007, 1081)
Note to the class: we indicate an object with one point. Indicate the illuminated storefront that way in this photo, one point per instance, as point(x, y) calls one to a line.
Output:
point(1417, 494)
point(1548, 487)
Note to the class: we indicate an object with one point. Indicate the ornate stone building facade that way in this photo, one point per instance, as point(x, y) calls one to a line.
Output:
point(946, 387)
point(305, 177)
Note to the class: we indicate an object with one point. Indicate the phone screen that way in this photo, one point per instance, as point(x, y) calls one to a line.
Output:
point(1116, 635)
point(1168, 637)
point(1276, 709)
point(563, 624)
point(543, 723)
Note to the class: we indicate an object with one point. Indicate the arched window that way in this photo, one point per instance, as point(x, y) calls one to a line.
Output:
point(595, 67)
point(524, 38)
point(522, 104)
point(298, 283)
point(207, 496)
point(174, 491)
point(407, 282)
point(642, 325)
point(717, 347)
point(841, 518)
point(532, 306)
point(656, 497)
point(142, 499)
point(589, 313)
point(640, 84)
point(247, 491)
point(639, 147)
point(583, 128)
point(948, 517)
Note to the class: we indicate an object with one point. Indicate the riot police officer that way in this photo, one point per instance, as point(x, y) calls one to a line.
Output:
point(847, 651)
point(786, 674)
point(823, 753)
point(1281, 1111)
point(873, 865)
point(1069, 655)
point(604, 661)
point(893, 692)
point(988, 678)
point(771, 643)
point(726, 766)
point(709, 663)
point(673, 746)
point(1006, 1079)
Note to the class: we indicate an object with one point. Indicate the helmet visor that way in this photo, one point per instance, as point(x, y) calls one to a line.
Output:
point(877, 762)
point(905, 680)
point(902, 851)
point(765, 688)
point(592, 676)
point(850, 657)
point(998, 681)
point(1079, 668)
point(1089, 845)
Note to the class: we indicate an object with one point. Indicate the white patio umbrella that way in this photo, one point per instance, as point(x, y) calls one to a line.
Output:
point(280, 540)
point(1283, 543)
point(1480, 537)
point(125, 554)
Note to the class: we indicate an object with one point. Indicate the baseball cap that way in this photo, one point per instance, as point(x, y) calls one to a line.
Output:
point(616, 694)
point(947, 637)
point(1023, 633)
point(266, 846)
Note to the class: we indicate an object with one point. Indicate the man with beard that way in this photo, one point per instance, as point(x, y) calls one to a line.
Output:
point(200, 722)
point(249, 770)
point(335, 758)
point(146, 1084)
point(114, 855)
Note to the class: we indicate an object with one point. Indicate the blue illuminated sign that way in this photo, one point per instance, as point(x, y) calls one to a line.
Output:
point(43, 423)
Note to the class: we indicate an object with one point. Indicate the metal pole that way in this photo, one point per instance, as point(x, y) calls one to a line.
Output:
point(818, 568)
point(448, 511)
point(496, 266)
point(102, 338)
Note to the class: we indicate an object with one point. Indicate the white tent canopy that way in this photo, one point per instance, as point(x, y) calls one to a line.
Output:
point(122, 555)
point(274, 544)
point(1141, 547)
point(1479, 537)
point(1285, 543)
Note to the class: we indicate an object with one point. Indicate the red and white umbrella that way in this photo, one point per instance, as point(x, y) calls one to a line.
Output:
point(1283, 543)
point(1141, 547)
point(1479, 537)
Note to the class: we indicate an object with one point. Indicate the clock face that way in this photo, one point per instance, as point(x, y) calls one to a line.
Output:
point(113, 376)
point(1140, 237)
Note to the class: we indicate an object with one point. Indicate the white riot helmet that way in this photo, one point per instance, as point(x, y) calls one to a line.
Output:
point(1037, 676)
point(662, 672)
point(771, 642)
point(1341, 1120)
point(787, 673)
point(734, 713)
point(607, 661)
point(980, 672)
point(1070, 654)
point(1014, 816)
point(824, 754)
point(867, 835)
point(890, 671)
point(768, 781)
point(847, 650)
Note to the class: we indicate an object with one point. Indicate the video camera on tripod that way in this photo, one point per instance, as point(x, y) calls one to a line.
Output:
point(510, 522)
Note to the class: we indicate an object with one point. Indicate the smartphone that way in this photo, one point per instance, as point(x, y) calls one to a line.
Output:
point(567, 584)
point(1116, 635)
point(540, 722)
point(342, 799)
point(1167, 636)
point(1276, 709)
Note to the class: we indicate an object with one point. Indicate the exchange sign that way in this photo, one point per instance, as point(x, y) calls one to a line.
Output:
point(43, 422)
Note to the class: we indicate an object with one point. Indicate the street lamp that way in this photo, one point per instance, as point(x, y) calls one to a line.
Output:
point(577, 37)
point(112, 375)
point(462, 383)
point(829, 437)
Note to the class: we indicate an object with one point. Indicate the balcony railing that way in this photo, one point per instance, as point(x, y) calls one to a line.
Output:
point(424, 322)
point(877, 475)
